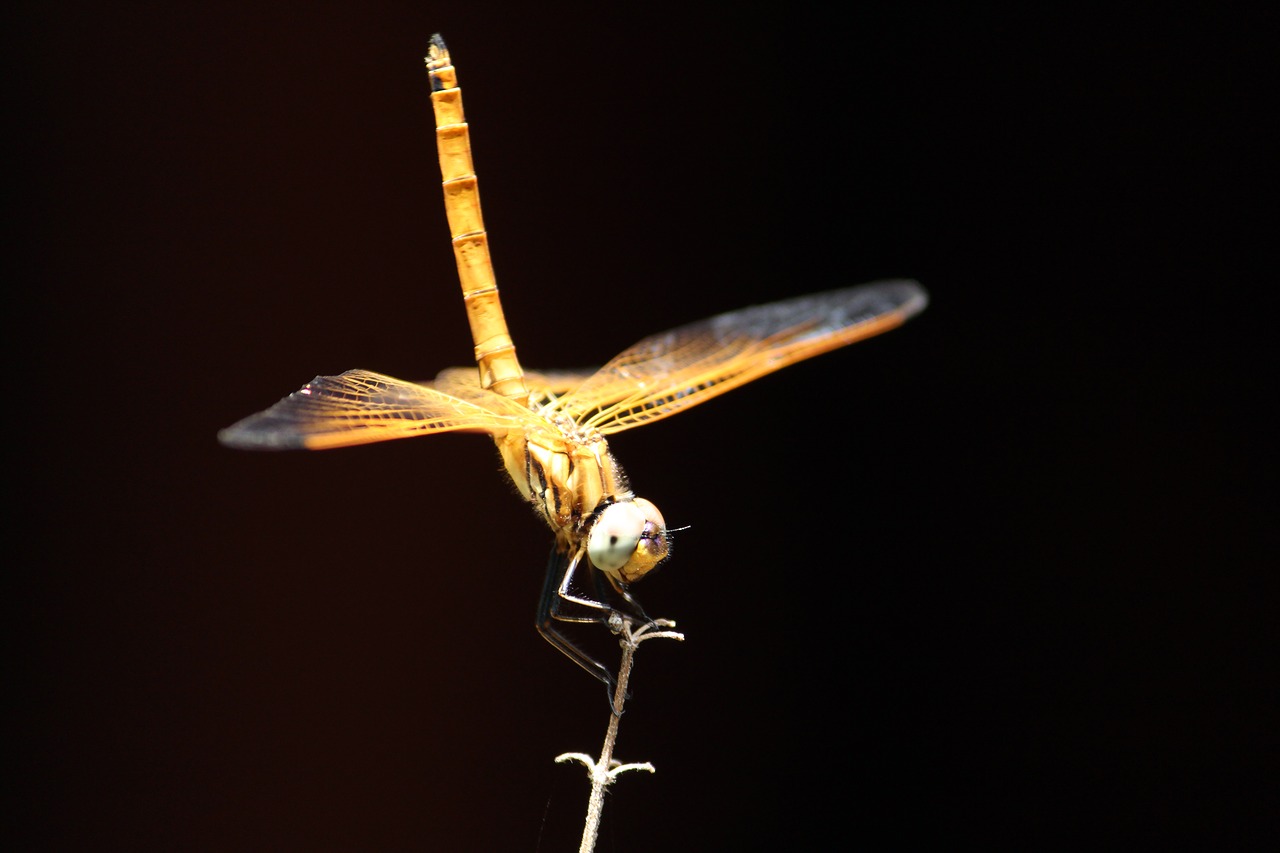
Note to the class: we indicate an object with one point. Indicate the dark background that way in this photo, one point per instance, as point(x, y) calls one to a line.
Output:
point(1006, 576)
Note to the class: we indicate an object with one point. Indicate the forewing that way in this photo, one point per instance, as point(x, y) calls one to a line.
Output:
point(668, 372)
point(361, 407)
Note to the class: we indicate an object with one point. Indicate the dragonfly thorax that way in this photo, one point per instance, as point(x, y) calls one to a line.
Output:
point(571, 479)
point(565, 477)
point(572, 431)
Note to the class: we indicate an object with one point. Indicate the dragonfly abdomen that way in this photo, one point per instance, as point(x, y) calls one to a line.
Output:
point(495, 353)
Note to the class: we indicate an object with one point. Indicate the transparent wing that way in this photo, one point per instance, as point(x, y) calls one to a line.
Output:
point(361, 407)
point(543, 385)
point(666, 373)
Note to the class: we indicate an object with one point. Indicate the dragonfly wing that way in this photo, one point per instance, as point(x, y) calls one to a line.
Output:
point(668, 372)
point(554, 383)
point(361, 407)
point(543, 385)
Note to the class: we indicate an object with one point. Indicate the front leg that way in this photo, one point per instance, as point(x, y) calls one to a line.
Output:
point(559, 604)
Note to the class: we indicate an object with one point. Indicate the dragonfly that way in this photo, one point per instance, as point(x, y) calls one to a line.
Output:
point(551, 427)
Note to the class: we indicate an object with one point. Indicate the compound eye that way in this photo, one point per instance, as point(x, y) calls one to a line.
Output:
point(654, 545)
point(614, 536)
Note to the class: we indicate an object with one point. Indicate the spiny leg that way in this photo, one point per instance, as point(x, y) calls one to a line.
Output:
point(558, 605)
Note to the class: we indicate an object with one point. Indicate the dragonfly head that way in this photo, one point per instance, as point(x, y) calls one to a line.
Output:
point(628, 539)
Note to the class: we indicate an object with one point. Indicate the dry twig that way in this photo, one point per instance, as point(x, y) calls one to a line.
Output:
point(605, 769)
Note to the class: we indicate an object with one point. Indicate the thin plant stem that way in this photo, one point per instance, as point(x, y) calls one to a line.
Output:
point(605, 769)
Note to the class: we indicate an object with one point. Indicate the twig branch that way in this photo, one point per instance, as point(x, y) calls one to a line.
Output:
point(604, 770)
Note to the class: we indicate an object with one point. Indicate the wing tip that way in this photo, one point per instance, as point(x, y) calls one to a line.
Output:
point(246, 436)
point(917, 298)
point(900, 297)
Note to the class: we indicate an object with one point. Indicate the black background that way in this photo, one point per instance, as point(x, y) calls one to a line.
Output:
point(1004, 576)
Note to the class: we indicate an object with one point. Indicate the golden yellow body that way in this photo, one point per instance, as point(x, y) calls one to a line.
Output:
point(550, 428)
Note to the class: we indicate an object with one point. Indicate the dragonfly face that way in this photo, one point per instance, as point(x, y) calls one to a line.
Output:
point(629, 539)
point(551, 427)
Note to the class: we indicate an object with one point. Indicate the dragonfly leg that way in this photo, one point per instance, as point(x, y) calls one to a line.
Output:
point(637, 616)
point(560, 605)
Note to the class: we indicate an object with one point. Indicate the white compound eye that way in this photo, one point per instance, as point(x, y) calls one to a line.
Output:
point(628, 539)
point(614, 535)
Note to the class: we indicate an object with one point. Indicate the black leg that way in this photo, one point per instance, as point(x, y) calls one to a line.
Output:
point(559, 605)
